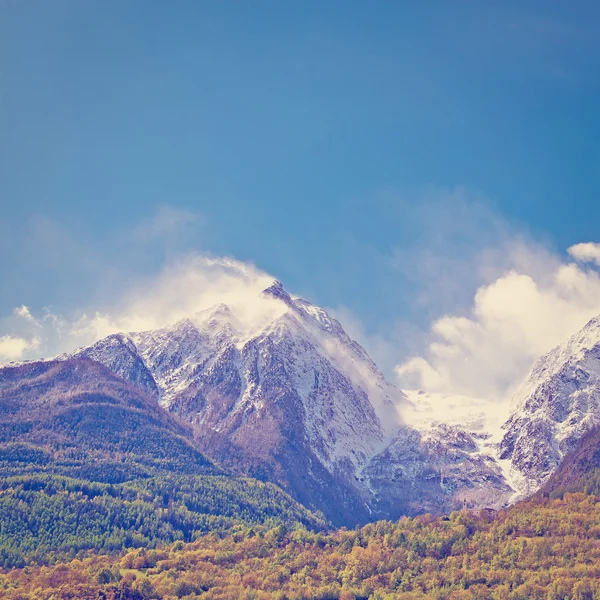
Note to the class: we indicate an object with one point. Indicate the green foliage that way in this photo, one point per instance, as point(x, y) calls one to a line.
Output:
point(47, 517)
point(88, 462)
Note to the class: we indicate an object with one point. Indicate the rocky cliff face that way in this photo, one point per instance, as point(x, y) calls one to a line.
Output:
point(447, 454)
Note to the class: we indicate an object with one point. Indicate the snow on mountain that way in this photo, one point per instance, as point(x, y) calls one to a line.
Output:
point(314, 351)
point(119, 354)
point(446, 454)
point(292, 398)
point(289, 397)
point(558, 402)
point(277, 389)
point(428, 410)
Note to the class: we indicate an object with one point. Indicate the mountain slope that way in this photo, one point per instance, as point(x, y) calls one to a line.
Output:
point(444, 455)
point(537, 550)
point(78, 418)
point(88, 461)
point(580, 469)
point(43, 516)
point(555, 406)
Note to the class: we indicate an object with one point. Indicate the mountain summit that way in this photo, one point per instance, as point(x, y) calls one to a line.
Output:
point(275, 388)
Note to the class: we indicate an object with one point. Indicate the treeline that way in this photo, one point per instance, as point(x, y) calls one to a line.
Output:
point(44, 518)
point(540, 550)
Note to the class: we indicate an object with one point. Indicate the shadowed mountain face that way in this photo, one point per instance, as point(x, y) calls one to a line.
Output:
point(79, 418)
point(579, 471)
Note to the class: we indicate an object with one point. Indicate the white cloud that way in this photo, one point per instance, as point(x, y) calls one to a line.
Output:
point(514, 319)
point(79, 267)
point(385, 345)
point(24, 312)
point(181, 289)
point(13, 348)
point(461, 241)
point(489, 301)
point(586, 252)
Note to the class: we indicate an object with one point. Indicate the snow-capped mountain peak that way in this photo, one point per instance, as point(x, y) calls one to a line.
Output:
point(557, 403)
point(572, 351)
point(276, 290)
point(275, 387)
point(272, 383)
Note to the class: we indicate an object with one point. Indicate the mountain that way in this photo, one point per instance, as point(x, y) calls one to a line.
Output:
point(287, 396)
point(446, 455)
point(558, 402)
point(276, 390)
point(78, 418)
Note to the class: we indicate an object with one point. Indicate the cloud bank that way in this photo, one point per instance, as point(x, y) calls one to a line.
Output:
point(536, 304)
point(138, 277)
point(587, 252)
point(182, 289)
point(13, 348)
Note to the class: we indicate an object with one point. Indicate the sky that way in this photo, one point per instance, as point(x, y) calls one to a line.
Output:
point(419, 170)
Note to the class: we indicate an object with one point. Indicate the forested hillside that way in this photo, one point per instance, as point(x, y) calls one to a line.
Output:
point(44, 518)
point(103, 495)
point(579, 471)
point(547, 549)
point(76, 418)
point(87, 462)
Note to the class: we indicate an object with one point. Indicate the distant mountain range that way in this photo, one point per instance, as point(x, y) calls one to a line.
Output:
point(293, 400)
point(290, 398)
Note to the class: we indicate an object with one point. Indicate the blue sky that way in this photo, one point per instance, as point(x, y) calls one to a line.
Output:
point(334, 145)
